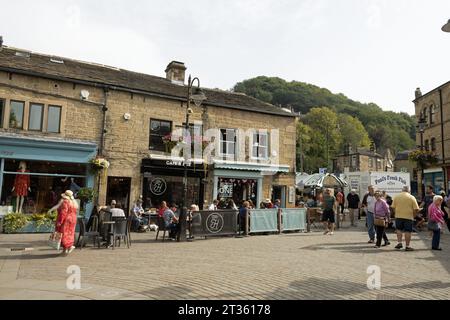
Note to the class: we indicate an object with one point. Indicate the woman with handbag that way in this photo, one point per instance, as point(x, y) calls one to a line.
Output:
point(436, 221)
point(66, 220)
point(381, 219)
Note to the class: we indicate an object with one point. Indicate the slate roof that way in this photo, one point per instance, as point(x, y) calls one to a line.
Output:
point(72, 70)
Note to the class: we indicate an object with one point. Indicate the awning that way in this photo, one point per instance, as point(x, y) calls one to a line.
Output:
point(320, 180)
point(249, 166)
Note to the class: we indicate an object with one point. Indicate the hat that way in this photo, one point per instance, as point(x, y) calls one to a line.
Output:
point(68, 195)
point(113, 202)
point(267, 201)
point(353, 190)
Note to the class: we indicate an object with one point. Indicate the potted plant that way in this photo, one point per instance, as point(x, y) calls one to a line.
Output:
point(423, 158)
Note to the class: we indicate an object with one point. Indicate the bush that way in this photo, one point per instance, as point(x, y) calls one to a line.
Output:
point(14, 221)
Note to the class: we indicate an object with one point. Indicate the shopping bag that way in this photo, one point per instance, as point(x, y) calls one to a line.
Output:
point(55, 240)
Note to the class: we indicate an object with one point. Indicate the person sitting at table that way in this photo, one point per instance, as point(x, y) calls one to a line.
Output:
point(138, 218)
point(117, 211)
point(171, 220)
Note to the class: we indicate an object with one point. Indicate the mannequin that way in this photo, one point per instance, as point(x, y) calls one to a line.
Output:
point(21, 186)
point(72, 186)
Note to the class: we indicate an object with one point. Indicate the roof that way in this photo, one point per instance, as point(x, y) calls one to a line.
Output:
point(70, 70)
point(402, 155)
point(431, 91)
point(363, 152)
point(324, 180)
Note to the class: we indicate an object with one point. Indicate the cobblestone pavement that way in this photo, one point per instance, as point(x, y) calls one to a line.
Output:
point(287, 266)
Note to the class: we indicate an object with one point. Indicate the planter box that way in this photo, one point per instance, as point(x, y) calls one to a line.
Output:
point(31, 227)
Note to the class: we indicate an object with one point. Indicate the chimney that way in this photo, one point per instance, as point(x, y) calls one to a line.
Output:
point(418, 93)
point(1, 42)
point(175, 72)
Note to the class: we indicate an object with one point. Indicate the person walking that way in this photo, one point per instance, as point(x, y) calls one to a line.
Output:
point(405, 207)
point(436, 221)
point(66, 220)
point(368, 204)
point(354, 205)
point(329, 209)
point(381, 219)
point(341, 201)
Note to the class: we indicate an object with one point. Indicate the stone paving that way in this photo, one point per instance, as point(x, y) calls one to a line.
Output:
point(287, 266)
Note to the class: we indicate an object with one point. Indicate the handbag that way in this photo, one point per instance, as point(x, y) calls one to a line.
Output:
point(54, 240)
point(433, 225)
point(379, 222)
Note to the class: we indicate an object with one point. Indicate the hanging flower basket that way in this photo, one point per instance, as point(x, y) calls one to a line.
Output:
point(99, 165)
point(423, 158)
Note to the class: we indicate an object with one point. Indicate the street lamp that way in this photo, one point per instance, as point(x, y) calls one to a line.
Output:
point(446, 27)
point(421, 126)
point(197, 96)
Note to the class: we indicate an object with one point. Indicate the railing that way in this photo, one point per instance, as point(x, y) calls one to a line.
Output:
point(293, 219)
point(263, 220)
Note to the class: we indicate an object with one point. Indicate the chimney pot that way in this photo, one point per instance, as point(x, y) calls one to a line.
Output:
point(176, 71)
point(1, 41)
point(418, 93)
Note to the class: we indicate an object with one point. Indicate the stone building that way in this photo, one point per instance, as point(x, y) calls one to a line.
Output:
point(434, 108)
point(57, 114)
point(403, 164)
point(362, 160)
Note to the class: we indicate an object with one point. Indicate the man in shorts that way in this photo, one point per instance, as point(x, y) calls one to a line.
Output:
point(405, 207)
point(329, 209)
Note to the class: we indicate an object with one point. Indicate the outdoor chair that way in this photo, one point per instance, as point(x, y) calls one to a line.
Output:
point(83, 234)
point(161, 227)
point(120, 232)
point(129, 222)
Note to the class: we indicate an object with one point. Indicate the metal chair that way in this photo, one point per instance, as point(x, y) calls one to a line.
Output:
point(83, 234)
point(129, 222)
point(120, 232)
point(161, 227)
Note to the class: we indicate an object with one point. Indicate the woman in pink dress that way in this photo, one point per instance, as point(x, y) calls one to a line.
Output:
point(66, 220)
point(436, 221)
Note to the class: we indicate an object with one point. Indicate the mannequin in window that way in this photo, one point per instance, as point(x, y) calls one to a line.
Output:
point(21, 186)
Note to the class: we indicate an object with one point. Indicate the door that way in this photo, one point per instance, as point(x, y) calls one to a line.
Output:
point(279, 192)
point(119, 189)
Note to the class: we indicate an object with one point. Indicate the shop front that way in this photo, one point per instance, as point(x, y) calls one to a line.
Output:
point(434, 177)
point(163, 181)
point(34, 172)
point(242, 181)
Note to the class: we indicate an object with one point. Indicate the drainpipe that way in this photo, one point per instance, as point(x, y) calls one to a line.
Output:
point(442, 138)
point(104, 109)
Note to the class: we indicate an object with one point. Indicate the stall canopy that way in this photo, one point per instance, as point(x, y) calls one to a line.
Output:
point(320, 180)
point(299, 179)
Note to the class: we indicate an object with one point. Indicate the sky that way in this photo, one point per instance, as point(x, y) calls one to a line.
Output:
point(376, 51)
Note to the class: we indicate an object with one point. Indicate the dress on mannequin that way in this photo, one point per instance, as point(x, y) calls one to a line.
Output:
point(21, 186)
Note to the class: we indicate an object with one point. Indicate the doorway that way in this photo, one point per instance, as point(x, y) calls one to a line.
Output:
point(119, 189)
point(279, 192)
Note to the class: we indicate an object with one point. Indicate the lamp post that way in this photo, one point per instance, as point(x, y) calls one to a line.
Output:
point(446, 27)
point(421, 126)
point(197, 96)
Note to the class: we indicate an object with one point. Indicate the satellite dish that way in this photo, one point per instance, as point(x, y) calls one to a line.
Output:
point(127, 116)
point(84, 94)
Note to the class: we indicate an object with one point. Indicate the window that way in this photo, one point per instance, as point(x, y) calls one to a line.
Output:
point(433, 144)
point(195, 135)
point(432, 114)
point(54, 119)
point(16, 114)
point(228, 142)
point(427, 145)
point(260, 145)
point(2, 110)
point(354, 164)
point(159, 129)
point(425, 115)
point(370, 162)
point(35, 117)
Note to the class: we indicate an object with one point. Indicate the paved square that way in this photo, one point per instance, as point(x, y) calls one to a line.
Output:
point(287, 266)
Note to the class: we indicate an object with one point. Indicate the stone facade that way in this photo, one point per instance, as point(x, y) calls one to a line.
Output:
point(362, 161)
point(122, 128)
point(434, 108)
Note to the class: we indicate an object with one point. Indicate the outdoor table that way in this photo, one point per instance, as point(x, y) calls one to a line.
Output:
point(111, 225)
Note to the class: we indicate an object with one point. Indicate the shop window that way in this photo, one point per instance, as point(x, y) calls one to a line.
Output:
point(2, 110)
point(228, 143)
point(16, 114)
point(54, 119)
point(159, 129)
point(260, 148)
point(40, 188)
point(35, 117)
point(433, 144)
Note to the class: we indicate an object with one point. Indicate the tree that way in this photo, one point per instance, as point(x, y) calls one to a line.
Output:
point(352, 132)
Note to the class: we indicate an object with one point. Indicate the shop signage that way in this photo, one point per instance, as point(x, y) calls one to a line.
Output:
point(158, 186)
point(291, 194)
point(214, 223)
point(226, 190)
